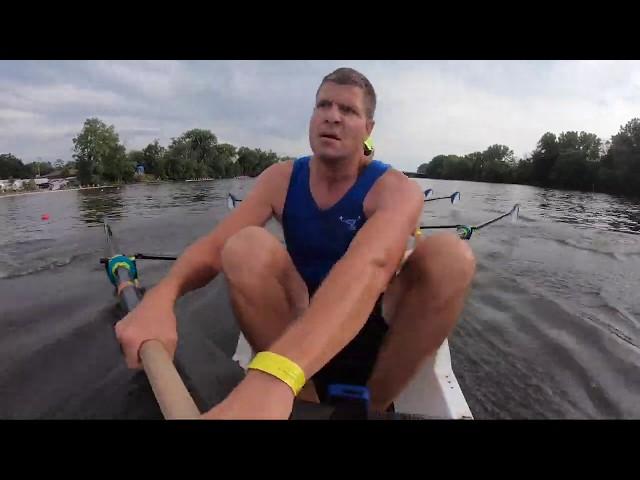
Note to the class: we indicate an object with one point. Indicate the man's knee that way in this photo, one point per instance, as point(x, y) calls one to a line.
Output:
point(444, 256)
point(249, 252)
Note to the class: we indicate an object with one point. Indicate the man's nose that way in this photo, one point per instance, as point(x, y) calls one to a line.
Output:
point(333, 114)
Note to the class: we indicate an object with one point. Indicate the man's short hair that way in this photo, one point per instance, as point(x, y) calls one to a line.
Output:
point(349, 76)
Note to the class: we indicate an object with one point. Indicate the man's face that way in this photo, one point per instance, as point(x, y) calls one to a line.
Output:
point(339, 123)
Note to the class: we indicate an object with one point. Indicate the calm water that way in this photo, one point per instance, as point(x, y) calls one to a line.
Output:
point(550, 330)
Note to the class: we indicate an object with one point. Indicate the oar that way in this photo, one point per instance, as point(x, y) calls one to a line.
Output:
point(144, 256)
point(454, 197)
point(465, 231)
point(514, 212)
point(232, 200)
point(172, 395)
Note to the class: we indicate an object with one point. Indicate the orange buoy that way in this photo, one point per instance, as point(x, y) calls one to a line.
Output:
point(45, 216)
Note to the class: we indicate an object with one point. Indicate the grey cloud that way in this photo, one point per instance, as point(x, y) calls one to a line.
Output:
point(424, 107)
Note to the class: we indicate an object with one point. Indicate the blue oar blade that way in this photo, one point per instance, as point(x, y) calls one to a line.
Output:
point(428, 193)
point(455, 198)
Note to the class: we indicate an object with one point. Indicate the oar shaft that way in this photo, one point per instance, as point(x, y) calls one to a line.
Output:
point(438, 226)
point(436, 198)
point(142, 256)
point(171, 394)
point(510, 212)
point(455, 196)
point(492, 221)
point(513, 211)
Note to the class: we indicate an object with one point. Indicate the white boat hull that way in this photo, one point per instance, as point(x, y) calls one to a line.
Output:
point(434, 392)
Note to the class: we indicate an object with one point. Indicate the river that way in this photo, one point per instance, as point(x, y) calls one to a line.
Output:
point(550, 328)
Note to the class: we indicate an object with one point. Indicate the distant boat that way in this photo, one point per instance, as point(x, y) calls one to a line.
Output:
point(206, 179)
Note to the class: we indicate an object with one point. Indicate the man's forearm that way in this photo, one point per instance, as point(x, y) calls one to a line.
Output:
point(338, 311)
point(196, 267)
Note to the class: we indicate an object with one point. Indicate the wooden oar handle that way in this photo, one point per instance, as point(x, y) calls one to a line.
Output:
point(173, 397)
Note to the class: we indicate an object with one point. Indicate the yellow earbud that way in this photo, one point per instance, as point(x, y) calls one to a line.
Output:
point(368, 146)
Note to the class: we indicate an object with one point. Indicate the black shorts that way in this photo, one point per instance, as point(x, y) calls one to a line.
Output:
point(354, 363)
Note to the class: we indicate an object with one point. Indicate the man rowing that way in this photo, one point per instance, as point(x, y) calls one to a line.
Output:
point(340, 302)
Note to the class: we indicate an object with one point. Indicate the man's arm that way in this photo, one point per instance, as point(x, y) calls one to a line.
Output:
point(345, 299)
point(200, 262)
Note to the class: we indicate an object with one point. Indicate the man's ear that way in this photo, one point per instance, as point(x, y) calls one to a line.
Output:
point(370, 125)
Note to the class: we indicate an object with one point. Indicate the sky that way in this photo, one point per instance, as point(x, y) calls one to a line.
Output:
point(425, 108)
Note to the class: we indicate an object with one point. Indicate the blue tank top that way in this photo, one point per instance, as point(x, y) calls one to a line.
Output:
point(316, 239)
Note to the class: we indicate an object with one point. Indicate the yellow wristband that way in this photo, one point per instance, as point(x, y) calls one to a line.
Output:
point(280, 367)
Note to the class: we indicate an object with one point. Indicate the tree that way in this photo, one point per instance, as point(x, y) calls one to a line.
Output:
point(477, 160)
point(591, 145)
point(576, 167)
point(434, 168)
point(576, 160)
point(523, 171)
point(69, 169)
point(232, 170)
point(625, 157)
point(136, 157)
point(39, 168)
point(497, 162)
point(12, 167)
point(544, 157)
point(454, 167)
point(59, 164)
point(571, 171)
point(202, 144)
point(179, 164)
point(253, 161)
point(153, 159)
point(496, 171)
point(193, 154)
point(117, 166)
point(498, 153)
point(99, 154)
point(226, 157)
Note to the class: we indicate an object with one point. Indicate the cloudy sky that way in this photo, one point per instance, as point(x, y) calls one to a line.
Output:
point(425, 108)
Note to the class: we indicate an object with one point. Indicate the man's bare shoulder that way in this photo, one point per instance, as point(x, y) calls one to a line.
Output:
point(277, 173)
point(392, 190)
point(273, 183)
point(394, 183)
point(397, 178)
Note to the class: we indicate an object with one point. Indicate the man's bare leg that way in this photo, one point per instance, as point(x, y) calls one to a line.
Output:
point(422, 306)
point(266, 291)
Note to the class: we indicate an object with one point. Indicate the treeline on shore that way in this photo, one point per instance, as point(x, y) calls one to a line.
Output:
point(570, 160)
point(99, 157)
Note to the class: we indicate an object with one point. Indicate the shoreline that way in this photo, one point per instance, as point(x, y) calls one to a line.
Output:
point(155, 182)
point(2, 195)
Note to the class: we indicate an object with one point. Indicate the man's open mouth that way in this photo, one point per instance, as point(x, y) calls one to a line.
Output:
point(331, 136)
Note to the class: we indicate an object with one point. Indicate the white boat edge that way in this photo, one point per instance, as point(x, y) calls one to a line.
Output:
point(434, 392)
